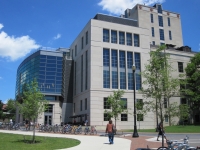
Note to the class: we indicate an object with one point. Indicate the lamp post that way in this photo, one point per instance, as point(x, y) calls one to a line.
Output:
point(135, 133)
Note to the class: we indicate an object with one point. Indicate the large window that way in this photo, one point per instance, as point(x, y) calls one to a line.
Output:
point(86, 69)
point(124, 101)
point(152, 31)
point(86, 38)
point(124, 117)
point(130, 72)
point(81, 73)
point(106, 57)
point(114, 69)
point(170, 35)
point(160, 20)
point(86, 104)
point(106, 79)
point(105, 117)
point(137, 61)
point(106, 36)
point(114, 79)
point(121, 38)
point(122, 80)
point(114, 58)
point(136, 40)
point(113, 36)
point(49, 108)
point(106, 68)
point(138, 70)
point(151, 15)
point(82, 39)
point(75, 50)
point(180, 66)
point(169, 23)
point(81, 105)
point(160, 9)
point(129, 39)
point(74, 78)
point(105, 103)
point(162, 34)
point(122, 59)
point(122, 70)
point(129, 60)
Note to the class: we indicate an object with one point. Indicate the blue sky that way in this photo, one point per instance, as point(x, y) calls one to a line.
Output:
point(26, 25)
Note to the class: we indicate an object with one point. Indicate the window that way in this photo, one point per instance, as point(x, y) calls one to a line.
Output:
point(106, 69)
point(82, 39)
point(75, 50)
point(136, 40)
point(170, 35)
point(183, 101)
point(114, 69)
point(114, 79)
point(160, 21)
point(151, 15)
point(122, 80)
point(81, 73)
point(86, 104)
point(105, 102)
point(74, 107)
point(122, 59)
point(122, 70)
point(159, 9)
point(74, 78)
point(113, 36)
point(106, 35)
point(106, 117)
point(162, 43)
point(166, 118)
point(129, 39)
point(86, 38)
point(130, 81)
point(153, 42)
point(106, 79)
point(129, 60)
point(86, 69)
point(140, 104)
point(180, 66)
point(152, 31)
point(124, 100)
point(165, 102)
point(121, 38)
point(161, 34)
point(114, 58)
point(137, 61)
point(124, 117)
point(168, 19)
point(106, 57)
point(140, 117)
point(49, 108)
point(81, 104)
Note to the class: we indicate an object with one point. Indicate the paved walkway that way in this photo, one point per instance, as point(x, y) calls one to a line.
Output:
point(87, 142)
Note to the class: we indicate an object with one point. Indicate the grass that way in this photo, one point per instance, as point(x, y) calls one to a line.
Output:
point(173, 129)
point(17, 142)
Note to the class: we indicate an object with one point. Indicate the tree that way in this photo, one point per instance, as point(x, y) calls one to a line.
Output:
point(183, 112)
point(117, 105)
point(32, 104)
point(11, 108)
point(192, 81)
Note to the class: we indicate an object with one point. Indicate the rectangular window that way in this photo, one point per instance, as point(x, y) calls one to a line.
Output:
point(114, 69)
point(81, 104)
point(140, 104)
point(86, 69)
point(153, 42)
point(136, 40)
point(140, 117)
point(121, 38)
point(106, 57)
point(122, 80)
point(160, 21)
point(169, 23)
point(170, 35)
point(151, 15)
point(166, 118)
point(105, 103)
point(162, 34)
point(130, 81)
point(183, 101)
point(74, 107)
point(114, 58)
point(82, 39)
point(152, 31)
point(122, 59)
point(86, 38)
point(75, 50)
point(86, 104)
point(138, 81)
point(114, 79)
point(106, 35)
point(82, 73)
point(74, 78)
point(113, 36)
point(137, 61)
point(159, 9)
point(165, 102)
point(49, 108)
point(129, 60)
point(105, 117)
point(106, 68)
point(180, 66)
point(124, 100)
point(129, 39)
point(124, 117)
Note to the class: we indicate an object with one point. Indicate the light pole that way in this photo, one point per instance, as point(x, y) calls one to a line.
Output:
point(135, 133)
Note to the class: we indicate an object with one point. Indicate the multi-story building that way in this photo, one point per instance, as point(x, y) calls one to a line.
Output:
point(102, 58)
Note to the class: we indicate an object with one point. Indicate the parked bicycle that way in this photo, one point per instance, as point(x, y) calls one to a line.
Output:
point(175, 145)
point(78, 130)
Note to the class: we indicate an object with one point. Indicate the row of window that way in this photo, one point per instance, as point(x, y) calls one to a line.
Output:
point(161, 32)
point(118, 37)
point(117, 70)
point(160, 20)
point(81, 105)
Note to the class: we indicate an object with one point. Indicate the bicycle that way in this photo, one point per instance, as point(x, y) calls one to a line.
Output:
point(87, 130)
point(78, 130)
point(175, 145)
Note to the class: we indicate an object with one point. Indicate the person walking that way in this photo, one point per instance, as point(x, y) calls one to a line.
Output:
point(109, 129)
point(161, 131)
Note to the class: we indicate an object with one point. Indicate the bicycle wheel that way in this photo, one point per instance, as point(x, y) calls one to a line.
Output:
point(162, 148)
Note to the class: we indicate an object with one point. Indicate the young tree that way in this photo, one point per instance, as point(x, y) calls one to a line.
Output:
point(33, 103)
point(11, 108)
point(183, 112)
point(117, 105)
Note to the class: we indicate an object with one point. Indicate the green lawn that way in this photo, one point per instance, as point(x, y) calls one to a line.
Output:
point(173, 129)
point(16, 142)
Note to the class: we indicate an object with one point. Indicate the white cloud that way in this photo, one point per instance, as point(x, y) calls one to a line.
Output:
point(57, 36)
point(119, 6)
point(13, 48)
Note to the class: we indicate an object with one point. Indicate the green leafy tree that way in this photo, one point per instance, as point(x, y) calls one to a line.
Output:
point(32, 104)
point(183, 112)
point(117, 105)
point(11, 108)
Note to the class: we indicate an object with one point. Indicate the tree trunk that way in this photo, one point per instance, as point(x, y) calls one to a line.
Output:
point(169, 115)
point(115, 126)
point(33, 141)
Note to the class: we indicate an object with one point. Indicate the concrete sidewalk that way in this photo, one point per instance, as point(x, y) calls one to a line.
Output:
point(88, 142)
